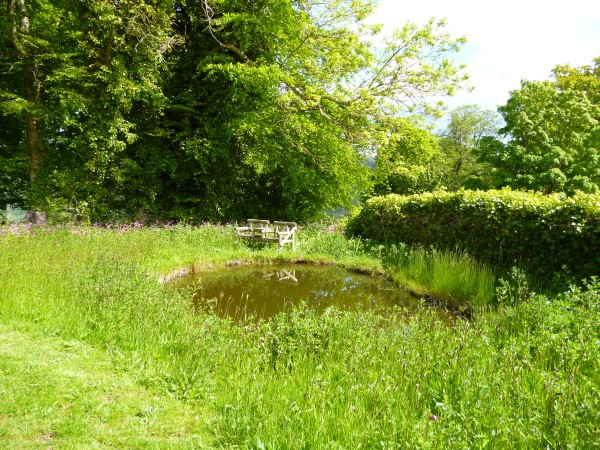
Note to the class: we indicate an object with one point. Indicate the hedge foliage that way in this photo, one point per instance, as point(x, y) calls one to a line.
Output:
point(545, 234)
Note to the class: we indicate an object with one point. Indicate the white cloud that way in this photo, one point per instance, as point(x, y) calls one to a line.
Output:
point(508, 41)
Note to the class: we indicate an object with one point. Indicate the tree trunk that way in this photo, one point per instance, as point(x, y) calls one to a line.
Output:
point(32, 94)
point(35, 144)
point(34, 139)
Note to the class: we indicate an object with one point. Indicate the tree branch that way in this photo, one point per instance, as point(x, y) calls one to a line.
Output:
point(316, 99)
point(210, 13)
point(234, 50)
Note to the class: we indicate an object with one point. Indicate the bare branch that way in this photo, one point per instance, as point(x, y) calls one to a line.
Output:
point(210, 13)
point(235, 50)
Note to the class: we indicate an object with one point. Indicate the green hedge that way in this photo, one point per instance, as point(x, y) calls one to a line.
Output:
point(545, 234)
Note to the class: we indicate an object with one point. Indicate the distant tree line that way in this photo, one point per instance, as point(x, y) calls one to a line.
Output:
point(545, 139)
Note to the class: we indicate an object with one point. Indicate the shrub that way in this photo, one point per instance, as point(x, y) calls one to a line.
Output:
point(545, 234)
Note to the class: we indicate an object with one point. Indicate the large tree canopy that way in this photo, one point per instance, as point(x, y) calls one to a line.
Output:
point(209, 108)
point(584, 79)
point(553, 141)
point(74, 77)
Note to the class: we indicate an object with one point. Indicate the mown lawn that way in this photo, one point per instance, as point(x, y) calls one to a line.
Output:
point(57, 393)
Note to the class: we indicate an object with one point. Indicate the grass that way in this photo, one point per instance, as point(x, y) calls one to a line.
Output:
point(96, 353)
point(452, 278)
point(56, 393)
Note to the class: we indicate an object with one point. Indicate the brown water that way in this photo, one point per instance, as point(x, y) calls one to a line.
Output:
point(264, 291)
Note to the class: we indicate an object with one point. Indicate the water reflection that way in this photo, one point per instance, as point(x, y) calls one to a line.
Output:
point(264, 291)
point(282, 275)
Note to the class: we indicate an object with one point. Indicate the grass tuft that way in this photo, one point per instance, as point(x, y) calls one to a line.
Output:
point(452, 278)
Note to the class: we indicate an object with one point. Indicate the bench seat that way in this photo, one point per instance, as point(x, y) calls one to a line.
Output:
point(265, 231)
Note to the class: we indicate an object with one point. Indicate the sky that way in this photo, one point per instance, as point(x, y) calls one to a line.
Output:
point(507, 41)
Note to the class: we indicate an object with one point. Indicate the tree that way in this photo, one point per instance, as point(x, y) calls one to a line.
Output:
point(14, 159)
point(21, 67)
point(84, 67)
point(405, 160)
point(13, 162)
point(285, 100)
point(584, 79)
point(210, 108)
point(553, 141)
point(460, 142)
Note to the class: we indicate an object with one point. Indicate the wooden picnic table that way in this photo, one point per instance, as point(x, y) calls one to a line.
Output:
point(265, 231)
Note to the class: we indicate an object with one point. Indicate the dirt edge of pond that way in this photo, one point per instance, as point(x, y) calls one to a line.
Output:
point(174, 274)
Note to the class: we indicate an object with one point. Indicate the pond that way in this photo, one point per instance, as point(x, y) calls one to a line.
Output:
point(264, 291)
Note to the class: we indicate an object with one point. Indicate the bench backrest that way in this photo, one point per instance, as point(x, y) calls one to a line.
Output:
point(285, 225)
point(257, 223)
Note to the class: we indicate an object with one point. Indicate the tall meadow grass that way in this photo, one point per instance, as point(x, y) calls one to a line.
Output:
point(452, 277)
point(525, 375)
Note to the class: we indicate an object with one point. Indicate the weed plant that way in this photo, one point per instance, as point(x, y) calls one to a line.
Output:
point(525, 375)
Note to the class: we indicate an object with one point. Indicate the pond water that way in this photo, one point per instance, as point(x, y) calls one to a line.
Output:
point(264, 291)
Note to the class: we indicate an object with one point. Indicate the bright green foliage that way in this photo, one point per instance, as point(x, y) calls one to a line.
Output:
point(584, 79)
point(24, 45)
point(553, 141)
point(460, 142)
point(411, 160)
point(450, 277)
point(76, 82)
point(404, 159)
point(546, 234)
point(110, 90)
point(210, 109)
point(274, 104)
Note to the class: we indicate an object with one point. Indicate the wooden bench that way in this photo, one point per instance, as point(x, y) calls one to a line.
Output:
point(265, 231)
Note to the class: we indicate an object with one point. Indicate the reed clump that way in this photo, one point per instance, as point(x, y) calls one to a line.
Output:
point(450, 277)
